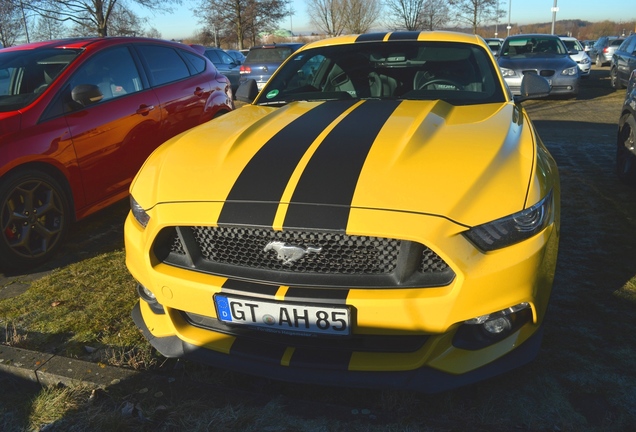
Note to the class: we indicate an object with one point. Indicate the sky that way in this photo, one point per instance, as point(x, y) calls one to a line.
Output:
point(183, 23)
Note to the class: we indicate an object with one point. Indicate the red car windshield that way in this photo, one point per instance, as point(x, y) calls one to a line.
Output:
point(24, 75)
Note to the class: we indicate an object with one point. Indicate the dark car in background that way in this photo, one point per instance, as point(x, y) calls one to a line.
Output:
point(602, 51)
point(78, 118)
point(626, 137)
point(261, 61)
point(494, 44)
point(236, 55)
point(540, 54)
point(225, 64)
point(623, 63)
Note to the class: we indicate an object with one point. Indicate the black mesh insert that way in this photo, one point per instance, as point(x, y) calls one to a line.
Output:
point(318, 258)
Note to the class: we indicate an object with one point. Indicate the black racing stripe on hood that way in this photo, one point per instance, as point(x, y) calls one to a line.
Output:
point(243, 287)
point(404, 35)
point(371, 37)
point(254, 197)
point(324, 192)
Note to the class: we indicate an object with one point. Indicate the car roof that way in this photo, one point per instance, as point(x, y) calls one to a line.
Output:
point(84, 42)
point(274, 45)
point(400, 36)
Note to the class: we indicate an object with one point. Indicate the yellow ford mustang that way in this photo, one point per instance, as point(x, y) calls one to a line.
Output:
point(383, 214)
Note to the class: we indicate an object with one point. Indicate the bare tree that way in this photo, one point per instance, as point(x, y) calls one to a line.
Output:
point(360, 15)
point(328, 16)
point(405, 14)
point(11, 23)
point(93, 16)
point(242, 20)
point(435, 14)
point(153, 33)
point(48, 28)
point(475, 12)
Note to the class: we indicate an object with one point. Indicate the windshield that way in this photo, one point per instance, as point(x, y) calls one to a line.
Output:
point(573, 45)
point(533, 46)
point(458, 73)
point(24, 75)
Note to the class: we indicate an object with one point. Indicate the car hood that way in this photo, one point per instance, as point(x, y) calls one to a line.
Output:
point(469, 164)
point(556, 62)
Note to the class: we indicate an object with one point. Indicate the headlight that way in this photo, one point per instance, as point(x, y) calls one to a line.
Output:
point(508, 72)
point(586, 60)
point(139, 213)
point(570, 71)
point(514, 228)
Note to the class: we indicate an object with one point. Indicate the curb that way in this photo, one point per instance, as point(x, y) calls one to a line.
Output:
point(50, 369)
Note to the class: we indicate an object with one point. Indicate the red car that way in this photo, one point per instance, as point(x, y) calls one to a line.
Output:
point(78, 118)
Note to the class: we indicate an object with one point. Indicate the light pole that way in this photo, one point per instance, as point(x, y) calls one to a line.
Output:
point(509, 9)
point(555, 9)
point(497, 19)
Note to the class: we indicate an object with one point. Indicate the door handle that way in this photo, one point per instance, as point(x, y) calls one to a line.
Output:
point(198, 91)
point(145, 109)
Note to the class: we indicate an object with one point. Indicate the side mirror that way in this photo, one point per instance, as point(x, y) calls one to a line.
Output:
point(86, 94)
point(247, 91)
point(533, 86)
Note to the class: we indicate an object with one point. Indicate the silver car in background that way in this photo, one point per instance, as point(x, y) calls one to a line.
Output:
point(578, 54)
point(541, 54)
point(602, 51)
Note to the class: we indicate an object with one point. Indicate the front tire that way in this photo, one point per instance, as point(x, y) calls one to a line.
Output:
point(614, 80)
point(34, 218)
point(625, 157)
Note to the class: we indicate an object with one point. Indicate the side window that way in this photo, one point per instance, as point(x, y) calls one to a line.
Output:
point(631, 48)
point(164, 63)
point(225, 57)
point(113, 71)
point(197, 63)
point(213, 56)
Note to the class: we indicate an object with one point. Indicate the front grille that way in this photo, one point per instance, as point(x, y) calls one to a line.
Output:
point(339, 253)
point(301, 257)
point(543, 72)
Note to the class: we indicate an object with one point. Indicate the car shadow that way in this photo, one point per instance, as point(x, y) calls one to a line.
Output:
point(97, 234)
point(596, 85)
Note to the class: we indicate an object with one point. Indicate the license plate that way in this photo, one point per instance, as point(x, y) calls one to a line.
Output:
point(282, 317)
point(260, 85)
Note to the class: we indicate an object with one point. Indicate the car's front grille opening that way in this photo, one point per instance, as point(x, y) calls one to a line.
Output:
point(302, 257)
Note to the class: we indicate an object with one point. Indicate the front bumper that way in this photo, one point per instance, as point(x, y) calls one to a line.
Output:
point(183, 323)
point(424, 379)
point(560, 86)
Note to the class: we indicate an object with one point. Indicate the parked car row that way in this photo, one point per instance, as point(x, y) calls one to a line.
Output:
point(78, 118)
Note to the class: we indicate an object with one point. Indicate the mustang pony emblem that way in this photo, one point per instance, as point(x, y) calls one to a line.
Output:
point(289, 254)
